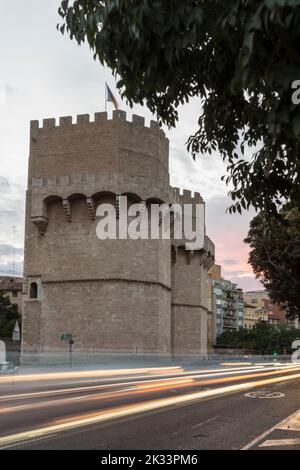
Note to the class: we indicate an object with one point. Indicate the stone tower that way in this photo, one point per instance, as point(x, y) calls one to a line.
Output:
point(121, 296)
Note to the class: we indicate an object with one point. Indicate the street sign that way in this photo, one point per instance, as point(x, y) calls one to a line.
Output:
point(66, 337)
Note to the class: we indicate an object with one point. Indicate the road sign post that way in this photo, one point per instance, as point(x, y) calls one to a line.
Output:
point(71, 342)
point(68, 337)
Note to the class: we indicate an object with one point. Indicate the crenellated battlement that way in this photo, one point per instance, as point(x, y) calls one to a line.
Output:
point(98, 145)
point(100, 118)
point(185, 196)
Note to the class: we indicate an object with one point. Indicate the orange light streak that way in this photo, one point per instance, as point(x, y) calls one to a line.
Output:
point(128, 410)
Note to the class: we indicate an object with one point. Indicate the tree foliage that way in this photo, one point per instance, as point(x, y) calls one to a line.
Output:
point(275, 256)
point(262, 338)
point(8, 316)
point(240, 57)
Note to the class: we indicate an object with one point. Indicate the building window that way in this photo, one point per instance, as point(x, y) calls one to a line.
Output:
point(33, 290)
point(14, 293)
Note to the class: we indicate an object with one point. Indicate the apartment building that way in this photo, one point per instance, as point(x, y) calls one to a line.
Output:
point(226, 303)
point(258, 306)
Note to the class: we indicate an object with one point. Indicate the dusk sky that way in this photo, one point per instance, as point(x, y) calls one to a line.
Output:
point(45, 74)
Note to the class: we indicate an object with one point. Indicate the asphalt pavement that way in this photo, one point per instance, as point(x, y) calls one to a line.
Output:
point(226, 407)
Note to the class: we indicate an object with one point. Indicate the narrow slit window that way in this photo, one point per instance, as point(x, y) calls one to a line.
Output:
point(33, 290)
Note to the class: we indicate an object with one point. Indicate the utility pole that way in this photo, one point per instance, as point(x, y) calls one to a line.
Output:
point(14, 253)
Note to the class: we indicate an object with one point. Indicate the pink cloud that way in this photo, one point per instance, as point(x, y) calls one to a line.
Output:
point(228, 232)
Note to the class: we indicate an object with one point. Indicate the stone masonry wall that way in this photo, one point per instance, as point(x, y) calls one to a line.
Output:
point(189, 308)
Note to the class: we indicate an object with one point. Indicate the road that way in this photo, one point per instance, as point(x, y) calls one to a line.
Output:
point(235, 406)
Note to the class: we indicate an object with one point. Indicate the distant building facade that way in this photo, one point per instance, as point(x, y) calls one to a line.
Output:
point(258, 300)
point(252, 315)
point(227, 305)
point(275, 314)
point(12, 287)
point(228, 300)
point(260, 308)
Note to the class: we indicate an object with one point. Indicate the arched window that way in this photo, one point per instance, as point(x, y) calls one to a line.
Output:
point(33, 290)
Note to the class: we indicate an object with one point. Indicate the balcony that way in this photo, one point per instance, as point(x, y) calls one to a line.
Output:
point(229, 315)
point(231, 327)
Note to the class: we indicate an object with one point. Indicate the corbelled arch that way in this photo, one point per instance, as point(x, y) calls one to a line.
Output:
point(39, 211)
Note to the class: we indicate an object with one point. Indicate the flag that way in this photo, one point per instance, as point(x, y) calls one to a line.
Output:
point(110, 97)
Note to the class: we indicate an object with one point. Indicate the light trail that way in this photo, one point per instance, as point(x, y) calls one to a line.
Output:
point(118, 384)
point(117, 372)
point(133, 382)
point(126, 392)
point(83, 420)
point(255, 375)
point(139, 388)
point(232, 363)
point(86, 373)
point(236, 363)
